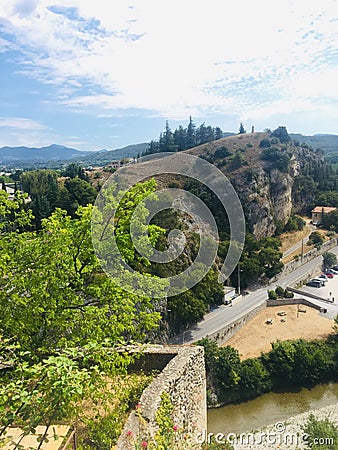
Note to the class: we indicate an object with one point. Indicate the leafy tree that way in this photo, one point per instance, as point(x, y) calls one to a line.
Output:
point(316, 238)
point(329, 260)
point(327, 198)
point(270, 259)
point(13, 213)
point(330, 220)
point(254, 377)
point(294, 223)
point(227, 367)
point(185, 309)
point(64, 315)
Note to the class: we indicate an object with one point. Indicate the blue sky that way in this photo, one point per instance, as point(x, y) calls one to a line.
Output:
point(108, 73)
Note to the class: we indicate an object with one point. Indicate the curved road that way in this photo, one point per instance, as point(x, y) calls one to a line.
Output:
point(223, 315)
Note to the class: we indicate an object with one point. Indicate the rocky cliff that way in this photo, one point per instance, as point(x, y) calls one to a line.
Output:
point(263, 171)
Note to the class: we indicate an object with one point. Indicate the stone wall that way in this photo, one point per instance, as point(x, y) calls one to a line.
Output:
point(225, 333)
point(293, 301)
point(293, 265)
point(184, 379)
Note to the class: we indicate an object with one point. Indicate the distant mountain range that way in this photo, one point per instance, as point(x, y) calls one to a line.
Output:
point(326, 142)
point(55, 155)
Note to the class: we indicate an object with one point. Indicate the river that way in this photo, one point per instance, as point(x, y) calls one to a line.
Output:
point(269, 409)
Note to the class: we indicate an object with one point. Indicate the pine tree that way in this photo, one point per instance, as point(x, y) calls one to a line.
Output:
point(241, 129)
point(191, 134)
point(180, 138)
point(168, 139)
point(218, 133)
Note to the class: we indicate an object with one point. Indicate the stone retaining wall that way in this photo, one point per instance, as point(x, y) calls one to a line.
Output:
point(293, 301)
point(293, 265)
point(225, 333)
point(184, 379)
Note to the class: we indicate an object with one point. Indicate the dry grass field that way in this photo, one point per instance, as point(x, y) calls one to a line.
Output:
point(256, 336)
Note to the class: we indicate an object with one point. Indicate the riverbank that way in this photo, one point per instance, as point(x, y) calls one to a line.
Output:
point(287, 435)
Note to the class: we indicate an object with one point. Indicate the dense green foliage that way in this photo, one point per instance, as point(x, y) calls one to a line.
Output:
point(61, 317)
point(183, 138)
point(47, 193)
point(289, 363)
point(282, 134)
point(278, 158)
point(329, 260)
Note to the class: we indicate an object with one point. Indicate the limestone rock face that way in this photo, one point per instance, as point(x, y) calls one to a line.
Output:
point(266, 187)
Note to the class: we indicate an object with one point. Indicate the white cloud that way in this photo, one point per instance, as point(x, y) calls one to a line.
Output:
point(21, 123)
point(179, 58)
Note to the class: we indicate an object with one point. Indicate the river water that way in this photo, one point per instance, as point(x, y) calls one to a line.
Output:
point(269, 409)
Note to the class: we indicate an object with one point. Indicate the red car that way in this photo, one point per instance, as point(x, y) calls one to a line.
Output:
point(329, 275)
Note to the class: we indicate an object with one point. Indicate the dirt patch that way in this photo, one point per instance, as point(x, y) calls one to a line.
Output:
point(291, 238)
point(256, 336)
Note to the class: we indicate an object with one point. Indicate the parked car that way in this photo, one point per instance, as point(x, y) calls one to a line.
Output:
point(329, 275)
point(334, 272)
point(323, 276)
point(321, 281)
point(334, 267)
point(314, 283)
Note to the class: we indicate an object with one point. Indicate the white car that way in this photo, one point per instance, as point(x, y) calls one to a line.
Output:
point(323, 277)
point(321, 280)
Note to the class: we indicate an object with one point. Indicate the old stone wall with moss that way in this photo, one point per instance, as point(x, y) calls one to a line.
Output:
point(184, 380)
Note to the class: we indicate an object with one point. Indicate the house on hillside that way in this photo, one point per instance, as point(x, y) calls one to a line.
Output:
point(319, 212)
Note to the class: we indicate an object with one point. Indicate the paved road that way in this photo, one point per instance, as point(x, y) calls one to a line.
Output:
point(223, 315)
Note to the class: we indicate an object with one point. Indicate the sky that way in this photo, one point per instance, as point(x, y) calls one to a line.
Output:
point(93, 74)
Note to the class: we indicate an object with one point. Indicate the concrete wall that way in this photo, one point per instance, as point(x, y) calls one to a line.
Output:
point(184, 379)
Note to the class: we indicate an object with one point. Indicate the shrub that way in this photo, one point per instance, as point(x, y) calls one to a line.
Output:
point(222, 152)
point(272, 295)
point(288, 294)
point(317, 430)
point(282, 134)
point(280, 291)
point(265, 143)
point(316, 238)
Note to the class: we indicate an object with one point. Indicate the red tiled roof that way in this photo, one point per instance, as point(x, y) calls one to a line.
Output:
point(325, 209)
